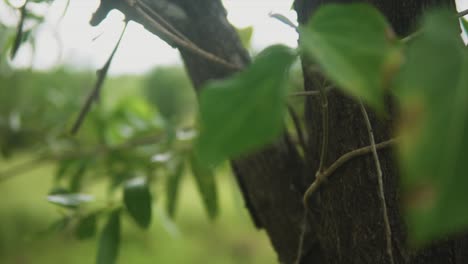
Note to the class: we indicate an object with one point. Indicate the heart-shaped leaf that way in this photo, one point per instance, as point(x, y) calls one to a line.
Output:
point(246, 111)
point(354, 45)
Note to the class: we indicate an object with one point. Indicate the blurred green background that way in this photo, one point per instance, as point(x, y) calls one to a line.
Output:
point(36, 112)
point(141, 128)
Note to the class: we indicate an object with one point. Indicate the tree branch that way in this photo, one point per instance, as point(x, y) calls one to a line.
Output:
point(94, 95)
point(462, 13)
point(175, 36)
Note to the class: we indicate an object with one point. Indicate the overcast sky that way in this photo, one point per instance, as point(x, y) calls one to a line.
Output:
point(139, 50)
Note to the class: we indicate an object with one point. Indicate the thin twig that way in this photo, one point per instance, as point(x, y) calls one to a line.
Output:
point(322, 177)
point(310, 93)
point(302, 236)
point(305, 93)
point(462, 13)
point(38, 161)
point(298, 128)
point(182, 43)
point(19, 31)
point(325, 136)
point(388, 230)
point(318, 175)
point(411, 36)
point(340, 162)
point(162, 21)
point(95, 92)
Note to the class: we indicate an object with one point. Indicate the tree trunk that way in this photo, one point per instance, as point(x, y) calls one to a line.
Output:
point(345, 224)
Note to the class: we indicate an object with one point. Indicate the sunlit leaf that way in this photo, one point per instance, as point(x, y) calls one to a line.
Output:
point(172, 187)
point(137, 199)
point(86, 227)
point(246, 111)
point(433, 90)
point(206, 184)
point(245, 35)
point(355, 47)
point(109, 241)
point(70, 200)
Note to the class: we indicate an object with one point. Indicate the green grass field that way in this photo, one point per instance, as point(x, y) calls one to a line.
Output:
point(193, 239)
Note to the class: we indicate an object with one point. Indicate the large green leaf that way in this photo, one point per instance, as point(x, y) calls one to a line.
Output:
point(109, 241)
point(246, 111)
point(433, 90)
point(355, 47)
point(206, 184)
point(137, 199)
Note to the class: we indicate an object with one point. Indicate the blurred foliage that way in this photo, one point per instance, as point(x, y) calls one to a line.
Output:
point(170, 91)
point(124, 140)
point(135, 143)
point(434, 103)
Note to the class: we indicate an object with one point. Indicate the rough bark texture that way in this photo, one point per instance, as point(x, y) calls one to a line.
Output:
point(346, 223)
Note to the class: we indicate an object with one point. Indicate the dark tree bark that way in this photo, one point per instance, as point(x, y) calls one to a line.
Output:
point(345, 224)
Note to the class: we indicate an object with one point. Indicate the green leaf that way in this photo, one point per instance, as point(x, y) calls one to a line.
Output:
point(433, 91)
point(19, 32)
point(245, 35)
point(355, 47)
point(86, 227)
point(206, 184)
point(109, 241)
point(283, 19)
point(70, 200)
point(137, 199)
point(172, 187)
point(245, 112)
